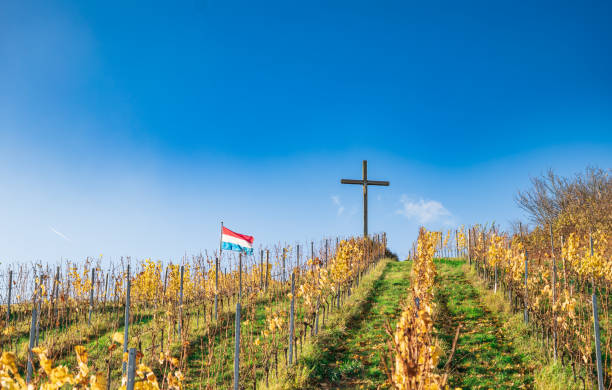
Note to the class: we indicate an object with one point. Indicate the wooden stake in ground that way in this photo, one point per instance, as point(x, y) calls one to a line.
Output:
point(365, 183)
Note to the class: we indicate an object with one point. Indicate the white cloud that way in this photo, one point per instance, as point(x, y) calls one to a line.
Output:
point(336, 200)
point(424, 211)
point(59, 234)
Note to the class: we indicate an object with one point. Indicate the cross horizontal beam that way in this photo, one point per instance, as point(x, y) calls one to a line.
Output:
point(365, 183)
point(368, 182)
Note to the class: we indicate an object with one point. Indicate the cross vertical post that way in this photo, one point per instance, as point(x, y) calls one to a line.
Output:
point(365, 197)
point(365, 183)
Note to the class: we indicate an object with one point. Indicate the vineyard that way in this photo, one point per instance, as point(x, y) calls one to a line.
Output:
point(145, 325)
point(473, 307)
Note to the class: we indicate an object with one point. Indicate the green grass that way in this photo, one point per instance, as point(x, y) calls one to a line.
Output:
point(547, 375)
point(348, 353)
point(485, 356)
point(495, 348)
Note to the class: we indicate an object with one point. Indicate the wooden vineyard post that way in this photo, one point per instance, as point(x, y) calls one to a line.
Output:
point(526, 313)
point(180, 320)
point(32, 340)
point(8, 299)
point(600, 381)
point(237, 349)
point(554, 291)
point(91, 294)
point(216, 288)
point(131, 373)
point(292, 319)
point(126, 322)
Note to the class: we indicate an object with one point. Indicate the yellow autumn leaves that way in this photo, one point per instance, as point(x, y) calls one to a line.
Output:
point(414, 356)
point(55, 377)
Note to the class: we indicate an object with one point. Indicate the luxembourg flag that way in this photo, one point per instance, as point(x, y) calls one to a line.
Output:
point(232, 241)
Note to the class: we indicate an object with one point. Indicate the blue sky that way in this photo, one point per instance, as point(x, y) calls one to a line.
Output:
point(134, 129)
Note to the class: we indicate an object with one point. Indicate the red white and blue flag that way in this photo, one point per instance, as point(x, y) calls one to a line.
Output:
point(232, 241)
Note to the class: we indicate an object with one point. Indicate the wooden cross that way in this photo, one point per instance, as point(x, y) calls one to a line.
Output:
point(365, 183)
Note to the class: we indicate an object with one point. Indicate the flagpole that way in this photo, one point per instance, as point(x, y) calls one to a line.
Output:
point(218, 261)
point(221, 242)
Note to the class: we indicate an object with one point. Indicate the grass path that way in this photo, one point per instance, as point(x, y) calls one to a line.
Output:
point(350, 357)
point(485, 357)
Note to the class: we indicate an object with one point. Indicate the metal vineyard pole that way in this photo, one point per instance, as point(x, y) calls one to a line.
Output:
point(283, 260)
point(38, 319)
point(600, 380)
point(126, 323)
point(240, 276)
point(484, 256)
point(8, 299)
point(216, 288)
point(180, 321)
point(267, 269)
point(564, 269)
point(554, 291)
point(312, 256)
point(32, 340)
point(165, 284)
point(456, 243)
point(131, 374)
point(468, 247)
point(237, 349)
point(297, 256)
point(261, 268)
point(326, 245)
point(526, 314)
point(292, 319)
point(91, 295)
point(495, 289)
point(57, 278)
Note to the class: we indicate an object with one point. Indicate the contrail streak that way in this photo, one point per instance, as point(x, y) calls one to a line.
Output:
point(59, 234)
